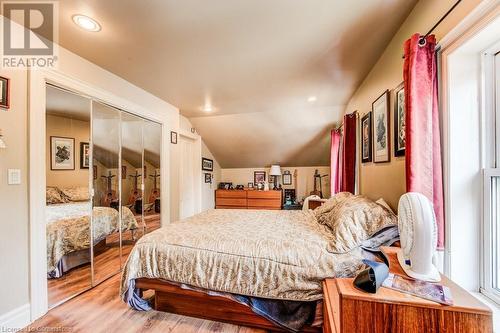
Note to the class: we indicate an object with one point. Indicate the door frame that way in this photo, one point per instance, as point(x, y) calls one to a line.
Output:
point(37, 80)
point(197, 172)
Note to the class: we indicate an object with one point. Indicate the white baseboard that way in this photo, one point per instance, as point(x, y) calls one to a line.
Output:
point(16, 319)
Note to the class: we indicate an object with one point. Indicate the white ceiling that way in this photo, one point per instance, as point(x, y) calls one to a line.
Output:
point(253, 60)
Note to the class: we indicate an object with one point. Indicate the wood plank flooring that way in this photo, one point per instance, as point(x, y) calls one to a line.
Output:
point(101, 310)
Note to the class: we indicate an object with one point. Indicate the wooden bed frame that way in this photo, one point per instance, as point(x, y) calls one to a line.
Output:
point(174, 299)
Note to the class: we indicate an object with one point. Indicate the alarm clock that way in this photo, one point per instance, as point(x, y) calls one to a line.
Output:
point(418, 237)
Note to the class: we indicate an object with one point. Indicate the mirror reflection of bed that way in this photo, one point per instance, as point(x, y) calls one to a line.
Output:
point(103, 179)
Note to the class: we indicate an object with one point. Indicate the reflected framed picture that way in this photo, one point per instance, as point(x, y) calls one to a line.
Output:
point(259, 177)
point(124, 172)
point(4, 93)
point(381, 137)
point(62, 153)
point(84, 155)
point(94, 171)
point(366, 138)
point(207, 164)
point(399, 121)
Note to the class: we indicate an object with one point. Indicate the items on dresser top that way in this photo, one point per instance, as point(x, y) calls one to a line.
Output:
point(248, 199)
point(347, 309)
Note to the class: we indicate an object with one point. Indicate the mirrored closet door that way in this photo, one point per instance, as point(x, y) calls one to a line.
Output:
point(68, 203)
point(103, 189)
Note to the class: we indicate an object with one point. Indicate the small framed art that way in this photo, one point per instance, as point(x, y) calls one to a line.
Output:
point(207, 164)
point(84, 155)
point(399, 121)
point(208, 178)
point(381, 137)
point(366, 138)
point(250, 185)
point(287, 178)
point(259, 176)
point(173, 137)
point(4, 93)
point(62, 153)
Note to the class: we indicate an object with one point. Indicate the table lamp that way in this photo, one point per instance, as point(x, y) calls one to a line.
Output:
point(275, 171)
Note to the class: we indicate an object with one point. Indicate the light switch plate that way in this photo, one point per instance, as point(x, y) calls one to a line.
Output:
point(14, 176)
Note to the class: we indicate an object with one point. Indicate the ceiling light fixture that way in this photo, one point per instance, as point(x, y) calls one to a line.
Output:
point(312, 99)
point(208, 108)
point(86, 23)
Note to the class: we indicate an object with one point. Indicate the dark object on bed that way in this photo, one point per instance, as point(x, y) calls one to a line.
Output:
point(174, 299)
point(157, 206)
point(138, 206)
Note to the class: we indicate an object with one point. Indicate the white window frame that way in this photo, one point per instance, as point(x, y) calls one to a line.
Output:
point(491, 214)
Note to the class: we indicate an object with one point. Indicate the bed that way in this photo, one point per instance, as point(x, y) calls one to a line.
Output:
point(252, 259)
point(68, 233)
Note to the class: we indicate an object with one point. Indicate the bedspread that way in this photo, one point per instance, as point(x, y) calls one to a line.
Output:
point(268, 254)
point(68, 228)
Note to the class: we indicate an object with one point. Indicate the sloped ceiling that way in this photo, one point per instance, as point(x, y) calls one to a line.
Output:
point(255, 61)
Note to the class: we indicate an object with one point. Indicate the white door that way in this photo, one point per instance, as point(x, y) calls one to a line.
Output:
point(187, 177)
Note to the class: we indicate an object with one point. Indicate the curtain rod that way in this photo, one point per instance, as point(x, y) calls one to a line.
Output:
point(342, 125)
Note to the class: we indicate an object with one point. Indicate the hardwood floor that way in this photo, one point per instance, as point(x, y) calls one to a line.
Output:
point(101, 310)
point(106, 264)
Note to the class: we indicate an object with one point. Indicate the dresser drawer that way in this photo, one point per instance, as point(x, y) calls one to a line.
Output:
point(236, 202)
point(264, 195)
point(264, 203)
point(230, 194)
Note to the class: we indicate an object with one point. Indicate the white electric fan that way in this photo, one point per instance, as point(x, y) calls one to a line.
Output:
point(418, 237)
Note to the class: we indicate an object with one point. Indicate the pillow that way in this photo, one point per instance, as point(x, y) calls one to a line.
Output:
point(384, 203)
point(76, 193)
point(330, 203)
point(353, 220)
point(54, 196)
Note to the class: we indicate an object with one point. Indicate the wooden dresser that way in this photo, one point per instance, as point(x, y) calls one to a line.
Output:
point(248, 199)
point(347, 309)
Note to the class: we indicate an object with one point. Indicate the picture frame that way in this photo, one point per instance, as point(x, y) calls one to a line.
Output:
point(399, 121)
point(84, 155)
point(208, 178)
point(366, 138)
point(94, 171)
point(62, 153)
point(4, 93)
point(207, 164)
point(250, 185)
point(259, 176)
point(287, 178)
point(380, 133)
point(173, 137)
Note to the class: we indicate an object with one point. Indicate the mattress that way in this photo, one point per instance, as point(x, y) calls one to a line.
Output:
point(268, 254)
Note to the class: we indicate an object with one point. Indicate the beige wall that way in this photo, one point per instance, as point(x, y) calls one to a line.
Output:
point(304, 184)
point(70, 128)
point(14, 263)
point(387, 180)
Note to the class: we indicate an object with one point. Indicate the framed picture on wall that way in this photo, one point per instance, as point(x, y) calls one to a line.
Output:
point(4, 93)
point(208, 178)
point(366, 138)
point(207, 164)
point(84, 155)
point(381, 144)
point(399, 121)
point(259, 176)
point(173, 137)
point(62, 153)
point(287, 178)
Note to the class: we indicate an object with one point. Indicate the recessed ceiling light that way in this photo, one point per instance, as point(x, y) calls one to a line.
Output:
point(312, 99)
point(208, 108)
point(86, 23)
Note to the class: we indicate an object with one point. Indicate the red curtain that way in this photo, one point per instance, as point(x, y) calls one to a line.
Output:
point(348, 183)
point(335, 161)
point(423, 146)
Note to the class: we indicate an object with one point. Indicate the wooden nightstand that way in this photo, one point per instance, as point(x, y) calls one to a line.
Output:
point(348, 310)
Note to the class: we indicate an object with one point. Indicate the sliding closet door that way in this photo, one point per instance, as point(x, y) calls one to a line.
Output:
point(152, 161)
point(106, 226)
point(132, 181)
point(68, 206)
